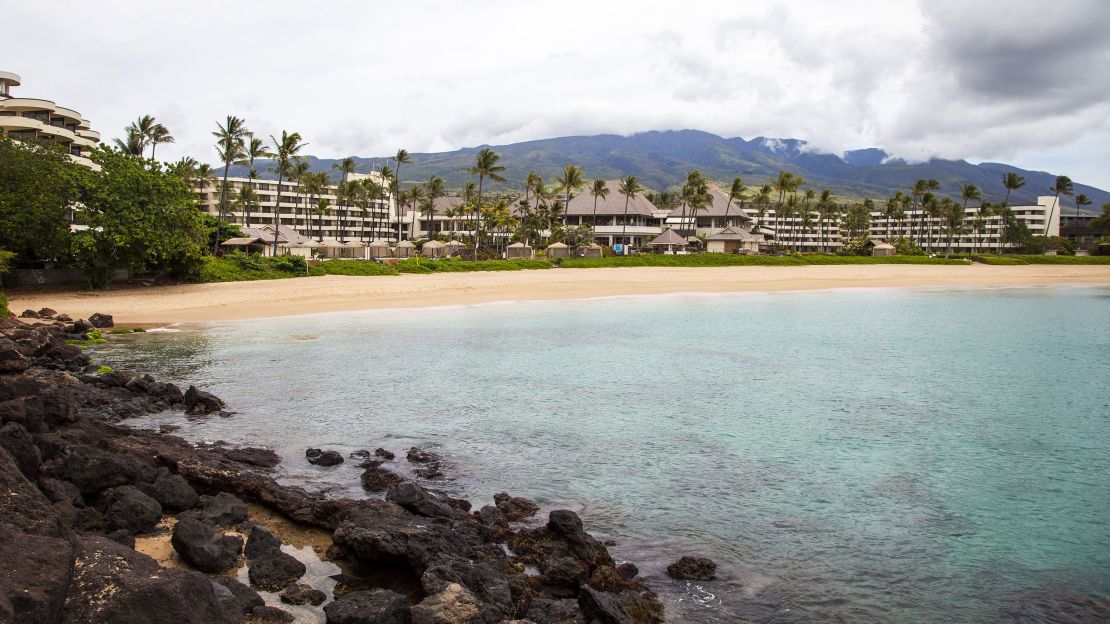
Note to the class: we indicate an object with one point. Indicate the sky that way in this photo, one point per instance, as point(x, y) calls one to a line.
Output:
point(1016, 81)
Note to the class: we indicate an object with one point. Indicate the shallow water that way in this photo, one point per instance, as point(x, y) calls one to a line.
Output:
point(854, 455)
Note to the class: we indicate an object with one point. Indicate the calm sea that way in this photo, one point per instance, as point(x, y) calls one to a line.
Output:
point(851, 456)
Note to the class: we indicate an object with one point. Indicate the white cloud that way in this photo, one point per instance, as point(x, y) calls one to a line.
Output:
point(992, 80)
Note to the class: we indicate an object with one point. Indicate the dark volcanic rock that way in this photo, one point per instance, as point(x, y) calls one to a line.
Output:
point(693, 569)
point(201, 402)
point(205, 547)
point(261, 457)
point(244, 595)
point(21, 503)
point(260, 542)
point(93, 470)
point(130, 510)
point(11, 360)
point(113, 584)
point(299, 594)
point(379, 606)
point(47, 312)
point(274, 570)
point(549, 611)
point(172, 491)
point(100, 321)
point(384, 454)
point(627, 607)
point(34, 574)
point(223, 509)
point(318, 457)
point(419, 501)
point(483, 579)
point(271, 615)
point(627, 571)
point(454, 605)
point(61, 491)
point(418, 455)
point(515, 508)
point(377, 479)
point(17, 441)
point(28, 314)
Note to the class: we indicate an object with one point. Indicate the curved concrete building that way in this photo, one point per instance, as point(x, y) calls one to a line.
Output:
point(32, 119)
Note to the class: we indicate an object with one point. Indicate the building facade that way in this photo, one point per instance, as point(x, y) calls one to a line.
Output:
point(33, 119)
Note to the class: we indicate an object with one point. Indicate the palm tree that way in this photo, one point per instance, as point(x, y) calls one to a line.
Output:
point(485, 166)
point(979, 224)
point(230, 146)
point(598, 189)
point(952, 217)
point(321, 210)
point(629, 187)
point(131, 144)
point(824, 211)
point(285, 150)
point(402, 157)
point(158, 134)
point(735, 193)
point(435, 190)
point(788, 210)
point(142, 129)
point(890, 212)
point(389, 185)
point(1063, 186)
point(1012, 182)
point(345, 167)
point(762, 202)
point(254, 150)
point(297, 174)
point(401, 197)
point(695, 196)
point(969, 192)
point(570, 182)
point(416, 197)
point(315, 183)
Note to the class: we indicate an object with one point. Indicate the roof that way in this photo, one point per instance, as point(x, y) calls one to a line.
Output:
point(519, 245)
point(668, 237)
point(286, 233)
point(405, 243)
point(379, 243)
point(557, 246)
point(441, 204)
point(879, 243)
point(583, 203)
point(717, 208)
point(242, 241)
point(433, 244)
point(734, 233)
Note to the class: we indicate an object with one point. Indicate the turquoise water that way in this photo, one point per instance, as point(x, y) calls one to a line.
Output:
point(854, 455)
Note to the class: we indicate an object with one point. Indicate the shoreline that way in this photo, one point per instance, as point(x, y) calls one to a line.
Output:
point(228, 301)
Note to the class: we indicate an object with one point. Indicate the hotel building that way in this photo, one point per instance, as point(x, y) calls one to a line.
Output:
point(33, 119)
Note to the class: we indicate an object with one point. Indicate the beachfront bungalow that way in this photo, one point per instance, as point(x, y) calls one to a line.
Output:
point(610, 224)
point(734, 239)
point(519, 250)
point(453, 248)
point(261, 240)
point(593, 250)
point(379, 249)
point(879, 247)
point(405, 249)
point(432, 249)
point(248, 244)
point(668, 242)
point(558, 250)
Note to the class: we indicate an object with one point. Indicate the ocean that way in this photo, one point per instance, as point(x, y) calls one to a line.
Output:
point(869, 455)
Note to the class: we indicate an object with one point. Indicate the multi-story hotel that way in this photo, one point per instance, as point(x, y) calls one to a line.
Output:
point(33, 119)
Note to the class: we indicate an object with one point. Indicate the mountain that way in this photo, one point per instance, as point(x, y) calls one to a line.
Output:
point(661, 160)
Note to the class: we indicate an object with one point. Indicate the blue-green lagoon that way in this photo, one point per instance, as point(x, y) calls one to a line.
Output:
point(893, 455)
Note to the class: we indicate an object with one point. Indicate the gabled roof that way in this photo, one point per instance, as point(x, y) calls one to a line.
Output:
point(583, 203)
point(669, 237)
point(734, 233)
point(717, 208)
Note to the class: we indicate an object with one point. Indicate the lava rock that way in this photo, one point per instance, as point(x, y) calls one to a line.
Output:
point(627, 571)
point(16, 440)
point(418, 455)
point(223, 509)
point(419, 501)
point(260, 542)
point(130, 510)
point(274, 570)
point(318, 457)
point(384, 454)
point(61, 491)
point(693, 569)
point(627, 607)
point(299, 594)
point(11, 360)
point(378, 479)
point(271, 615)
point(173, 492)
point(201, 402)
point(515, 508)
point(379, 606)
point(47, 313)
point(98, 320)
point(261, 457)
point(205, 547)
point(35, 575)
point(28, 314)
point(246, 597)
point(453, 605)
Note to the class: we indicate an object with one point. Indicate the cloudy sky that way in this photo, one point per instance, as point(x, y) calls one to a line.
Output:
point(1019, 81)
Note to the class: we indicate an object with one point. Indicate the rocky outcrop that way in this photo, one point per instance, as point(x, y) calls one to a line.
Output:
point(379, 606)
point(201, 402)
point(205, 547)
point(99, 320)
point(301, 594)
point(693, 569)
point(515, 508)
point(318, 457)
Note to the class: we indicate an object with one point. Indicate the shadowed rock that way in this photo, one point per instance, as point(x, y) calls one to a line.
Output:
point(379, 606)
point(693, 569)
point(274, 570)
point(205, 547)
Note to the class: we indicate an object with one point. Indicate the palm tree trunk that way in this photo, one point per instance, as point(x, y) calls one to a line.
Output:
point(624, 225)
point(223, 207)
point(478, 218)
point(277, 210)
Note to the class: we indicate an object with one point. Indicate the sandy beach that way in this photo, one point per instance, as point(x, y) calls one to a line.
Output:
point(242, 300)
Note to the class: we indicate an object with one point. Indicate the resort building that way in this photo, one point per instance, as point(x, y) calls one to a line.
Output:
point(33, 119)
point(371, 220)
point(641, 223)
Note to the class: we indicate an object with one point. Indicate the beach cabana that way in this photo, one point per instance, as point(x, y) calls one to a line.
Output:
point(734, 239)
point(558, 250)
point(879, 247)
point(247, 244)
point(432, 249)
point(379, 249)
point(405, 249)
point(668, 242)
point(303, 249)
point(519, 250)
point(593, 250)
point(453, 248)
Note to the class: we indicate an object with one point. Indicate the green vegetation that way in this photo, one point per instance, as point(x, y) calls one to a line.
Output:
point(94, 337)
point(4, 311)
point(1039, 259)
point(238, 267)
point(120, 331)
point(356, 267)
point(454, 265)
point(711, 260)
point(103, 369)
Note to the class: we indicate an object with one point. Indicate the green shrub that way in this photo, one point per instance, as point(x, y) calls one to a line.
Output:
point(355, 267)
point(719, 259)
point(4, 311)
point(138, 330)
point(120, 331)
point(239, 267)
point(454, 265)
point(93, 337)
point(103, 369)
point(1017, 259)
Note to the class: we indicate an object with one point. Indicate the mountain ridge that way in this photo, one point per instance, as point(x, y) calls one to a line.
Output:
point(660, 159)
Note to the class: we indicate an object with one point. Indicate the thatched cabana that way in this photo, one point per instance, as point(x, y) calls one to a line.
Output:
point(519, 250)
point(593, 250)
point(667, 242)
point(452, 248)
point(432, 249)
point(558, 250)
point(379, 249)
point(405, 249)
point(879, 247)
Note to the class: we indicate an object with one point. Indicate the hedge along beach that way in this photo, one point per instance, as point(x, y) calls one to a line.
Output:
point(334, 293)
